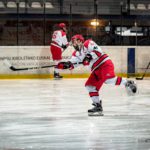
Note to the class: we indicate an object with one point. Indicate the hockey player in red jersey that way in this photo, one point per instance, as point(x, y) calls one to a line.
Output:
point(102, 70)
point(58, 45)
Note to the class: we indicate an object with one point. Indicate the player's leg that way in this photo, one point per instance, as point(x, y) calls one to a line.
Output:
point(97, 110)
point(56, 56)
point(91, 86)
point(56, 70)
point(130, 85)
point(115, 80)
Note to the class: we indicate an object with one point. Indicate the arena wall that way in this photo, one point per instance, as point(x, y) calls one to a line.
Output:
point(31, 56)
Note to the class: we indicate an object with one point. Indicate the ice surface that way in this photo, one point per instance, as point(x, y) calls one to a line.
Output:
point(52, 115)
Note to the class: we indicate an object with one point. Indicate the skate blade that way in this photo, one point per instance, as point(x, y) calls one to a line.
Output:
point(96, 114)
point(58, 78)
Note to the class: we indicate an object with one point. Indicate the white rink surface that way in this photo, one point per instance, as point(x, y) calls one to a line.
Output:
point(52, 115)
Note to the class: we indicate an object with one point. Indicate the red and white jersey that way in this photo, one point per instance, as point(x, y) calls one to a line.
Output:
point(90, 47)
point(59, 38)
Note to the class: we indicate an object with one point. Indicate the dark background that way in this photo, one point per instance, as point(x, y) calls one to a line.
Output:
point(31, 22)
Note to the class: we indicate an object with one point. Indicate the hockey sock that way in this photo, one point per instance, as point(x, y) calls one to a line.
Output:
point(116, 81)
point(93, 93)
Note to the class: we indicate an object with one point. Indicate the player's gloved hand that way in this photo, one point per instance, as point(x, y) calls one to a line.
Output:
point(64, 46)
point(87, 59)
point(65, 65)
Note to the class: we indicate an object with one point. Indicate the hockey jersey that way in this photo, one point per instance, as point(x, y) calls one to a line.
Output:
point(90, 47)
point(59, 38)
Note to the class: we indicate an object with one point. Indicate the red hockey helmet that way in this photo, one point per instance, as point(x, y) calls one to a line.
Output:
point(78, 37)
point(62, 25)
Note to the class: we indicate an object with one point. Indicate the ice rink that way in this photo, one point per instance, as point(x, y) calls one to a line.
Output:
point(52, 114)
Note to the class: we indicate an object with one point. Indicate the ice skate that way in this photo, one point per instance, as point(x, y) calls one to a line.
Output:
point(131, 87)
point(57, 76)
point(97, 110)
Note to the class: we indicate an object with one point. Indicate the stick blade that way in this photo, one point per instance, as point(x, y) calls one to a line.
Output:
point(139, 78)
point(13, 68)
point(8, 64)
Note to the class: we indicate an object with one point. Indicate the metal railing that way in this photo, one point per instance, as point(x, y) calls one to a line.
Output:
point(31, 22)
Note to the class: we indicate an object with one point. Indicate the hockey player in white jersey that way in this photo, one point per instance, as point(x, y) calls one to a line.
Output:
point(102, 70)
point(58, 44)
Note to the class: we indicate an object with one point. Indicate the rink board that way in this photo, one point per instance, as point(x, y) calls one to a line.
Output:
point(33, 56)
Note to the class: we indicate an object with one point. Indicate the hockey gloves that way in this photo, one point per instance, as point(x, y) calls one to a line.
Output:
point(64, 46)
point(87, 59)
point(65, 65)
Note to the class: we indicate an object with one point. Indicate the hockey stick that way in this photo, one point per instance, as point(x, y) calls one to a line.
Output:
point(141, 78)
point(21, 69)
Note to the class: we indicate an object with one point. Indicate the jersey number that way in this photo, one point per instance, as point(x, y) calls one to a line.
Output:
point(54, 35)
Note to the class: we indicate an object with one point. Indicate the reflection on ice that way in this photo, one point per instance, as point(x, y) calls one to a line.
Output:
point(51, 114)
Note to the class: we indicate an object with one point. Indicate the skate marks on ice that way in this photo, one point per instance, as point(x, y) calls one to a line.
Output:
point(48, 114)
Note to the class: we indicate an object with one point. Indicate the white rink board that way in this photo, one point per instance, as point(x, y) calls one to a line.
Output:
point(32, 56)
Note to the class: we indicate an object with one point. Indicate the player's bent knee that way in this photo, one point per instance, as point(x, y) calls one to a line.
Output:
point(90, 88)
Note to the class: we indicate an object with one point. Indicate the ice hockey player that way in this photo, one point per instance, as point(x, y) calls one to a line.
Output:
point(102, 70)
point(58, 45)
